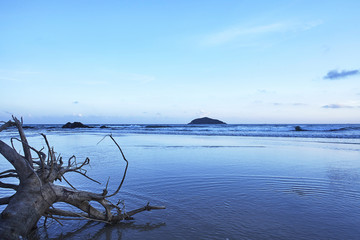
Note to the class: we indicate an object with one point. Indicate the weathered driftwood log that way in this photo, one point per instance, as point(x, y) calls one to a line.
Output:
point(36, 192)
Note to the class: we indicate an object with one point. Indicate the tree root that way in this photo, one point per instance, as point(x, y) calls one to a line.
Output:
point(36, 192)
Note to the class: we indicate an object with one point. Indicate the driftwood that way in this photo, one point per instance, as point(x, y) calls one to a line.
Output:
point(37, 192)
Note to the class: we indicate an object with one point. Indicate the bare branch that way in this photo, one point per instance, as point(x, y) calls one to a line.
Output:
point(127, 164)
point(40, 154)
point(105, 191)
point(64, 193)
point(6, 125)
point(23, 140)
point(20, 164)
point(8, 171)
point(146, 208)
point(68, 182)
point(9, 185)
point(36, 189)
point(71, 215)
point(107, 206)
point(99, 216)
point(5, 200)
point(69, 161)
point(49, 148)
point(50, 215)
point(73, 166)
point(8, 174)
point(84, 175)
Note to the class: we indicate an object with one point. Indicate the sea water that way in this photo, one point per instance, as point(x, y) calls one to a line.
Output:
point(217, 182)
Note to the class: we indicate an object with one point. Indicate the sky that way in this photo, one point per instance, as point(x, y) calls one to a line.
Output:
point(150, 61)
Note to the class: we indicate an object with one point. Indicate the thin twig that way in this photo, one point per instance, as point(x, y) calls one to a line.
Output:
point(127, 164)
point(9, 185)
point(72, 170)
point(68, 182)
point(8, 171)
point(39, 153)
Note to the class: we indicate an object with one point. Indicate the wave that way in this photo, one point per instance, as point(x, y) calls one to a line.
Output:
point(346, 131)
point(157, 126)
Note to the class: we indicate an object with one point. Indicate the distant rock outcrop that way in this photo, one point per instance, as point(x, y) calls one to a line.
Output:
point(299, 129)
point(75, 125)
point(206, 120)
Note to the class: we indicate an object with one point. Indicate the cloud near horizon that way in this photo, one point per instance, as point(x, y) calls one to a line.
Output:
point(299, 104)
point(337, 106)
point(335, 74)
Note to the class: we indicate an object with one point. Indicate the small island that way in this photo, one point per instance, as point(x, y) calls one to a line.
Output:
point(75, 125)
point(206, 120)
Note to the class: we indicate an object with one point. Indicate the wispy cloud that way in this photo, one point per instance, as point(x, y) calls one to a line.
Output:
point(337, 106)
point(16, 75)
point(335, 74)
point(265, 91)
point(299, 104)
point(234, 33)
point(289, 104)
point(75, 102)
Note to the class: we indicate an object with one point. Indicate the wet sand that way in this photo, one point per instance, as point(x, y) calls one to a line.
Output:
point(220, 187)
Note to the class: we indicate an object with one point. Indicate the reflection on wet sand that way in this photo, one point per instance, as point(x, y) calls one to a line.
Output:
point(95, 230)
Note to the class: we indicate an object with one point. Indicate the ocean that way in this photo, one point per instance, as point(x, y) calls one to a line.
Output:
point(217, 181)
point(349, 131)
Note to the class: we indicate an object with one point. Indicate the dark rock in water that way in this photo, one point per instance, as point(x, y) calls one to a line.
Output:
point(103, 126)
point(206, 120)
point(75, 125)
point(27, 127)
point(298, 128)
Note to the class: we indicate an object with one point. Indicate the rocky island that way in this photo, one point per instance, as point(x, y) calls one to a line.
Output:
point(206, 120)
point(75, 125)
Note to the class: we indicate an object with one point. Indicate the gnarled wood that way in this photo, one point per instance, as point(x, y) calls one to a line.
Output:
point(37, 191)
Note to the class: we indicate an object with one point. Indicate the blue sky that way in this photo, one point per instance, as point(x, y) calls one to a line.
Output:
point(173, 61)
